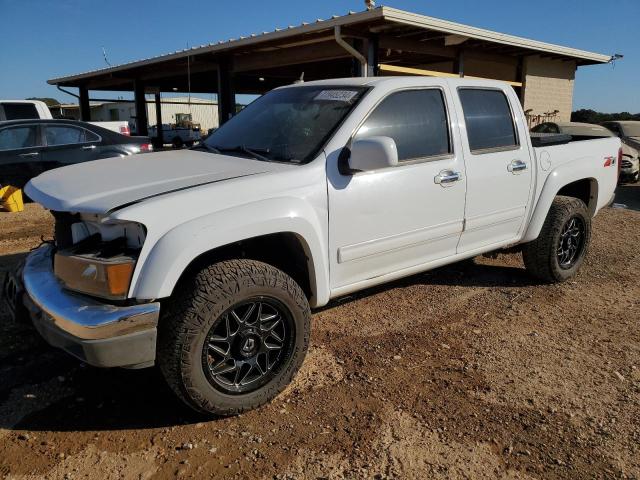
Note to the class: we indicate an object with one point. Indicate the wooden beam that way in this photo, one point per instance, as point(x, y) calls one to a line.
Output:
point(226, 92)
point(289, 56)
point(433, 73)
point(406, 45)
point(142, 125)
point(159, 129)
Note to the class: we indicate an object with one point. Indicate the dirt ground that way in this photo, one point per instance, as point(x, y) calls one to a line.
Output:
point(468, 371)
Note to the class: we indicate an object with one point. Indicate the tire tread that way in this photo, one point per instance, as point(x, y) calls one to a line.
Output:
point(539, 254)
point(213, 285)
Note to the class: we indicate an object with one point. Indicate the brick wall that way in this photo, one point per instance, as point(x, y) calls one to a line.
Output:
point(548, 86)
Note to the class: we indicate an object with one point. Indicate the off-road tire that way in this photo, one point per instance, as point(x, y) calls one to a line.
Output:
point(540, 255)
point(193, 309)
point(177, 143)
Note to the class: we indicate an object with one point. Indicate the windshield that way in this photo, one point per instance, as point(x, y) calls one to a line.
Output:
point(288, 125)
point(631, 129)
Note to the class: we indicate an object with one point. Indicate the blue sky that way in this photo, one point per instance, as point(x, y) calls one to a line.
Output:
point(44, 39)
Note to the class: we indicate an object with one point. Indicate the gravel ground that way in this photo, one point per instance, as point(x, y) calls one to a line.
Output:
point(468, 371)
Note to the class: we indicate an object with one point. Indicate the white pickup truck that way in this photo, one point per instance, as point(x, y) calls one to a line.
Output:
point(208, 261)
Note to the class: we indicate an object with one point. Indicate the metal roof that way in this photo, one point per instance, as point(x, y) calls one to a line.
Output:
point(389, 16)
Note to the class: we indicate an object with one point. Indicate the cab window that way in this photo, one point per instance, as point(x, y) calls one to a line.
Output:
point(415, 119)
point(488, 119)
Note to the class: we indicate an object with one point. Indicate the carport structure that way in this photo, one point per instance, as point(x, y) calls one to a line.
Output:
point(381, 41)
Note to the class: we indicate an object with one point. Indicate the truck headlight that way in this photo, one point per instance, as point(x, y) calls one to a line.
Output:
point(108, 278)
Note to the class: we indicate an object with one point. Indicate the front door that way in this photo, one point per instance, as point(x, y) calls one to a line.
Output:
point(498, 168)
point(20, 154)
point(386, 221)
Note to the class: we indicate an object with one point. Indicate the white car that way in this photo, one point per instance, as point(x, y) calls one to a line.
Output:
point(208, 261)
point(630, 164)
point(629, 133)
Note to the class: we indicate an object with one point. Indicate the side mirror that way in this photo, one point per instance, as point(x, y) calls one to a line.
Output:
point(373, 153)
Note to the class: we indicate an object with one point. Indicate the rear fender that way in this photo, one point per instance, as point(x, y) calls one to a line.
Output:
point(557, 179)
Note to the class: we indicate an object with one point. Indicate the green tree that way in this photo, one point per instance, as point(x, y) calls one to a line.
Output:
point(591, 116)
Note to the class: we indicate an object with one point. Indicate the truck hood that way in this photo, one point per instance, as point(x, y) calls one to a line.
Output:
point(103, 185)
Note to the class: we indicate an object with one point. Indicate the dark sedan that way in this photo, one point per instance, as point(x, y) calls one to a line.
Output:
point(30, 147)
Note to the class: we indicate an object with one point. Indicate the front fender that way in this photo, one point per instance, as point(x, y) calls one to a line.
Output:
point(176, 249)
point(563, 175)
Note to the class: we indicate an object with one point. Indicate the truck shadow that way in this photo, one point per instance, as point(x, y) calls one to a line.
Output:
point(45, 389)
point(628, 194)
point(467, 273)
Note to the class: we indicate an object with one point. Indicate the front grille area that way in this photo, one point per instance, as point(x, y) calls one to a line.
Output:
point(62, 232)
point(626, 164)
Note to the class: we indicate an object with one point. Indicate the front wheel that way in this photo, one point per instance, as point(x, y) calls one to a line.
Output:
point(233, 336)
point(558, 252)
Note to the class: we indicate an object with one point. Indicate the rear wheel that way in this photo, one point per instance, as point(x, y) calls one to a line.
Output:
point(233, 336)
point(558, 252)
point(177, 142)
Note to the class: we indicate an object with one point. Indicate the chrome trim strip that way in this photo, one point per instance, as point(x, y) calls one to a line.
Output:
point(80, 316)
point(495, 218)
point(380, 246)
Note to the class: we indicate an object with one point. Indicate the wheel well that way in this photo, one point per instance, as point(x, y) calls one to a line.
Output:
point(585, 190)
point(285, 251)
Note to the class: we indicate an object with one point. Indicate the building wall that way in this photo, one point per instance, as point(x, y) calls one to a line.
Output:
point(204, 112)
point(502, 69)
point(548, 86)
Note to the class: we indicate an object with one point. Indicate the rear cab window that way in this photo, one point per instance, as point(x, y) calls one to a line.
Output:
point(19, 111)
point(489, 120)
point(415, 119)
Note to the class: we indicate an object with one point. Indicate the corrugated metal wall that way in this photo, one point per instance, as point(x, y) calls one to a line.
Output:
point(201, 110)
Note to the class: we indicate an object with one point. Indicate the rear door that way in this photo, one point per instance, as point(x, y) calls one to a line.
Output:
point(20, 154)
point(68, 144)
point(497, 159)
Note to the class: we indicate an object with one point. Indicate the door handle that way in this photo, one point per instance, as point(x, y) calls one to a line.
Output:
point(516, 167)
point(88, 147)
point(446, 178)
point(29, 155)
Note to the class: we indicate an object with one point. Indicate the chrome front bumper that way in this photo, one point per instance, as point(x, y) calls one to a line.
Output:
point(98, 333)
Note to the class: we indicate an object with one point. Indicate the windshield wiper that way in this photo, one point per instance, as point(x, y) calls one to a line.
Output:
point(254, 152)
point(208, 147)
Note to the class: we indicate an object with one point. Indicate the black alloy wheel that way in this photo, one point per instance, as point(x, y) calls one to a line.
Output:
point(571, 242)
point(247, 344)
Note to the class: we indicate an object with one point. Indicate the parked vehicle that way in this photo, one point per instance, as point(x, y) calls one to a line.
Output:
point(207, 261)
point(629, 133)
point(630, 164)
point(30, 147)
point(23, 109)
point(176, 136)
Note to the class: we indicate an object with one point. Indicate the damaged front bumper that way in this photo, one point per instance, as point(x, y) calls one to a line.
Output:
point(98, 333)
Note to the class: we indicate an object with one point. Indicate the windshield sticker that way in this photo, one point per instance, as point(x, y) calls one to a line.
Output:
point(337, 95)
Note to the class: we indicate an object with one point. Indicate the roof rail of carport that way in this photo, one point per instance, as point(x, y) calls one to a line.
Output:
point(387, 14)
